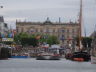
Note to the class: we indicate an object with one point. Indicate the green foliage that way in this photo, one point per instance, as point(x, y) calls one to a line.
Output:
point(52, 40)
point(49, 39)
point(16, 38)
point(30, 39)
point(23, 35)
point(25, 39)
point(43, 38)
point(86, 41)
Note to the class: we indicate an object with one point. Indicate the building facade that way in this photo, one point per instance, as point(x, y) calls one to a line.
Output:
point(3, 27)
point(64, 31)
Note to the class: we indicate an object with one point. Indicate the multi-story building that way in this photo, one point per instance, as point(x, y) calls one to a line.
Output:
point(3, 26)
point(64, 31)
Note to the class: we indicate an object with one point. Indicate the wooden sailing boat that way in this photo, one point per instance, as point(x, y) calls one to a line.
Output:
point(80, 55)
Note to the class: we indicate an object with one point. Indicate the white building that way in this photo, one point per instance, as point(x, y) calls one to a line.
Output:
point(3, 26)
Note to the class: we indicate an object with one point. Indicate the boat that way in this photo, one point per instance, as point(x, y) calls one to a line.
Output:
point(79, 55)
point(21, 55)
point(48, 56)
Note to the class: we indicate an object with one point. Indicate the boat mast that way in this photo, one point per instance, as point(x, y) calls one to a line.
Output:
point(80, 24)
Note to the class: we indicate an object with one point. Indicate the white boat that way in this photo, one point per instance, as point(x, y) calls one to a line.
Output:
point(47, 56)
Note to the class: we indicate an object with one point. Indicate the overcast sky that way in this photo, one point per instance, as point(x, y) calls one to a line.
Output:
point(39, 10)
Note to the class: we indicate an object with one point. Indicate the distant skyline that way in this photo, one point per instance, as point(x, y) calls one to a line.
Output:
point(39, 10)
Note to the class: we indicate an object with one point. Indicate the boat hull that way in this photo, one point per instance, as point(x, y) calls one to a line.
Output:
point(47, 58)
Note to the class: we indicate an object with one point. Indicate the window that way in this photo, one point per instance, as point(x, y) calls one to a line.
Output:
point(67, 30)
point(50, 30)
point(63, 31)
point(73, 31)
point(47, 30)
point(5, 25)
point(36, 30)
point(41, 30)
point(53, 30)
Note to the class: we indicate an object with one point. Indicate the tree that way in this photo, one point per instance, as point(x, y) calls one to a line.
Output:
point(26, 39)
point(43, 38)
point(29, 41)
point(34, 39)
point(86, 42)
point(17, 38)
point(52, 40)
